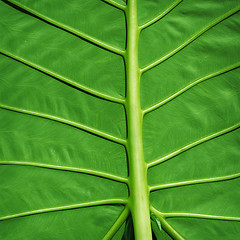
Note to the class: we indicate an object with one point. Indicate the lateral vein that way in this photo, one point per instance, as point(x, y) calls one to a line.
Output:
point(203, 216)
point(193, 182)
point(189, 86)
point(160, 16)
point(194, 144)
point(63, 79)
point(69, 169)
point(190, 40)
point(67, 207)
point(166, 226)
point(118, 223)
point(115, 4)
point(68, 29)
point(67, 122)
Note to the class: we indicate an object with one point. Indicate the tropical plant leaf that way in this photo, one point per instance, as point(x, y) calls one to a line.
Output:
point(85, 144)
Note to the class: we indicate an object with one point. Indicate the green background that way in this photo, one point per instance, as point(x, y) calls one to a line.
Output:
point(209, 107)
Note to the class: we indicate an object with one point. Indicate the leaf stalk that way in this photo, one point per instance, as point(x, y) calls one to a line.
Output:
point(138, 187)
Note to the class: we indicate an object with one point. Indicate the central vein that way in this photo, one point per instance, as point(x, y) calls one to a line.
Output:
point(139, 191)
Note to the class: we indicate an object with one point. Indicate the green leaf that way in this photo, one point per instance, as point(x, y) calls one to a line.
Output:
point(119, 118)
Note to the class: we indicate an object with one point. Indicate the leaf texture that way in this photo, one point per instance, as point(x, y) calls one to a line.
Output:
point(68, 168)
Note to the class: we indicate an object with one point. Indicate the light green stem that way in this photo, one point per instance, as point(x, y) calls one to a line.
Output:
point(139, 191)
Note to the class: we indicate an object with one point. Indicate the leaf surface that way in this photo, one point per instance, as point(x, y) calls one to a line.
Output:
point(66, 168)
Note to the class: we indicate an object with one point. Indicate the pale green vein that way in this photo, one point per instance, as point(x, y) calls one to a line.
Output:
point(63, 79)
point(67, 207)
point(192, 145)
point(69, 29)
point(115, 4)
point(69, 123)
point(202, 216)
point(190, 40)
point(163, 14)
point(166, 226)
point(118, 223)
point(193, 182)
point(69, 169)
point(189, 86)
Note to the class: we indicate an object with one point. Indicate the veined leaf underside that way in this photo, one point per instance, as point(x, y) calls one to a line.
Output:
point(127, 56)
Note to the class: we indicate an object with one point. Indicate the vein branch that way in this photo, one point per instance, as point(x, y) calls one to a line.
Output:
point(189, 86)
point(67, 122)
point(118, 223)
point(69, 169)
point(190, 40)
point(115, 4)
point(67, 207)
point(160, 16)
point(192, 145)
point(193, 182)
point(63, 79)
point(66, 28)
point(166, 226)
point(202, 216)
